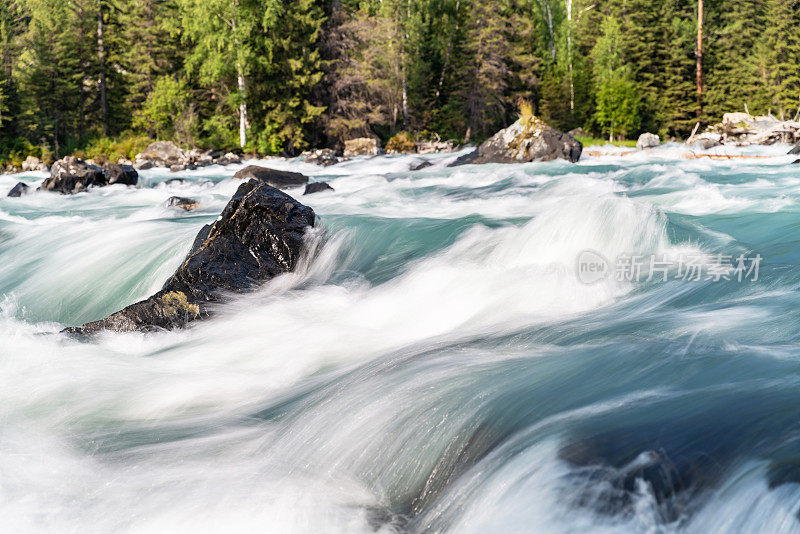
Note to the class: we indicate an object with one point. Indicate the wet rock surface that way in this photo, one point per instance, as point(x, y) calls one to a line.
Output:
point(187, 204)
point(317, 187)
point(72, 175)
point(19, 190)
point(273, 177)
point(259, 235)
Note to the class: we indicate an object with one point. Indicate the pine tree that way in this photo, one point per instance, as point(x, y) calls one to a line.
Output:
point(221, 36)
point(782, 42)
point(289, 69)
point(486, 77)
point(50, 73)
point(149, 49)
point(677, 89)
point(733, 77)
point(618, 95)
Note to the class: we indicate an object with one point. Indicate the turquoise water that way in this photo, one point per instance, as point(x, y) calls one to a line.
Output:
point(437, 364)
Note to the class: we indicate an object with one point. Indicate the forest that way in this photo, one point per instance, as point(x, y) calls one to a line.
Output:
point(283, 76)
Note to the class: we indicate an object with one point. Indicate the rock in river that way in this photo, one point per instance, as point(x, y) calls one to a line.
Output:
point(183, 203)
point(19, 190)
point(258, 236)
point(524, 141)
point(120, 174)
point(317, 187)
point(273, 177)
point(72, 175)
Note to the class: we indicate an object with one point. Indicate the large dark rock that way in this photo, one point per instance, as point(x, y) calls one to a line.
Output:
point(19, 190)
point(317, 187)
point(531, 140)
point(72, 175)
point(120, 174)
point(273, 177)
point(796, 150)
point(258, 235)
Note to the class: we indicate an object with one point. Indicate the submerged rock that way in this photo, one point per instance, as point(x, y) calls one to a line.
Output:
point(525, 141)
point(273, 177)
point(72, 175)
point(418, 166)
point(183, 203)
point(363, 146)
point(19, 190)
point(259, 235)
point(796, 150)
point(317, 187)
point(647, 140)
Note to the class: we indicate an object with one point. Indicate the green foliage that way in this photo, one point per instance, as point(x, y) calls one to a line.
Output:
point(114, 149)
point(313, 73)
point(401, 142)
point(619, 98)
point(597, 141)
point(160, 114)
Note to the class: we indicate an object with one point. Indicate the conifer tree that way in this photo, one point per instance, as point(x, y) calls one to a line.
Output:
point(782, 42)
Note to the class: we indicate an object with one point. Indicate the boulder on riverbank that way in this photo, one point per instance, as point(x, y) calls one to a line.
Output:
point(19, 190)
point(705, 140)
point(743, 129)
point(32, 163)
point(363, 146)
point(323, 157)
point(525, 141)
point(648, 140)
point(161, 154)
point(259, 235)
point(273, 177)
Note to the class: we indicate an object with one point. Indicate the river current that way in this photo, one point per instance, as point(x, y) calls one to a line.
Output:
point(609, 346)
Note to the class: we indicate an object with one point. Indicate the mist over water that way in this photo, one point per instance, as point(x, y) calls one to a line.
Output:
point(435, 365)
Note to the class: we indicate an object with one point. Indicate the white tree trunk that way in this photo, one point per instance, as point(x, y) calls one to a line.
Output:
point(242, 110)
point(569, 55)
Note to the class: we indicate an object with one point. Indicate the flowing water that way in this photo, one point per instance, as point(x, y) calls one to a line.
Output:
point(437, 364)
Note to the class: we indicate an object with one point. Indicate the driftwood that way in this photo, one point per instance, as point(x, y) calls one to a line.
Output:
point(724, 156)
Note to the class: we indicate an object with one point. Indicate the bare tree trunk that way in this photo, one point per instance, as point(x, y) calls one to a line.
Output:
point(569, 56)
point(403, 66)
point(405, 101)
point(242, 106)
point(699, 54)
point(446, 64)
point(549, 15)
point(101, 56)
